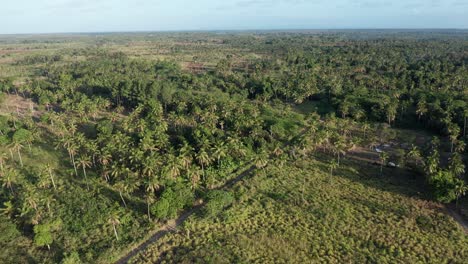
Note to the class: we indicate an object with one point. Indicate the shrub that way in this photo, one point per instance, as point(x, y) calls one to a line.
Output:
point(217, 201)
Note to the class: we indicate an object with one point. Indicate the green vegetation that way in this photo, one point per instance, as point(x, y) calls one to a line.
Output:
point(308, 218)
point(340, 146)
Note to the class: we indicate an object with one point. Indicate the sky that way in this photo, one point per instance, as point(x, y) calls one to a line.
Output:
point(58, 16)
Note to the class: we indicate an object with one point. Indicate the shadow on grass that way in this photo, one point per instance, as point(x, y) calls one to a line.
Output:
point(396, 180)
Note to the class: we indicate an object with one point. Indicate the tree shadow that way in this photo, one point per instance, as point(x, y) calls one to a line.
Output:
point(397, 180)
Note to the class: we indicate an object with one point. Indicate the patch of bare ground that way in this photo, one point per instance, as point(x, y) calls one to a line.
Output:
point(15, 104)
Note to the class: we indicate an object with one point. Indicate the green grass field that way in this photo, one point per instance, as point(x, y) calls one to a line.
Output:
point(297, 213)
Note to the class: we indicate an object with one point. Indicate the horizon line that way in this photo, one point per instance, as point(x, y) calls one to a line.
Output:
point(234, 30)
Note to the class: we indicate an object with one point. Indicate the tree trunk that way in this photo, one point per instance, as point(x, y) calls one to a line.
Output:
point(149, 214)
point(86, 178)
point(123, 200)
point(19, 155)
point(74, 165)
point(52, 178)
point(464, 128)
point(115, 232)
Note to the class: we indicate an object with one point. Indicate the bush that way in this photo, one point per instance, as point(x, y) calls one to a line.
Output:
point(173, 199)
point(217, 201)
point(444, 185)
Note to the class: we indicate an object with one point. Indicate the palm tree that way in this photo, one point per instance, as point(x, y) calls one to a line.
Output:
point(121, 187)
point(48, 170)
point(465, 117)
point(152, 185)
point(460, 146)
point(72, 150)
point(193, 174)
point(460, 190)
point(421, 109)
point(432, 162)
point(186, 155)
point(332, 166)
point(339, 148)
point(454, 132)
point(10, 178)
point(203, 159)
point(365, 127)
point(261, 160)
point(114, 221)
point(92, 149)
point(173, 166)
point(383, 159)
point(84, 162)
point(219, 151)
point(456, 165)
point(3, 159)
point(17, 146)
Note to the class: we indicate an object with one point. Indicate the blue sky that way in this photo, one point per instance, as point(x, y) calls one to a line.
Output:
point(33, 16)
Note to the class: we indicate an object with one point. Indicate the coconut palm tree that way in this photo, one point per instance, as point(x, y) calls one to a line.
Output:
point(204, 160)
point(219, 151)
point(383, 159)
point(10, 178)
point(3, 159)
point(17, 146)
point(456, 165)
point(261, 160)
point(121, 186)
point(114, 221)
point(48, 171)
point(460, 190)
point(85, 162)
point(332, 166)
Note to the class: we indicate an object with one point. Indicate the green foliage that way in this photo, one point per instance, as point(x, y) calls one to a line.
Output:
point(173, 199)
point(149, 132)
point(444, 185)
point(43, 235)
point(217, 201)
point(294, 214)
point(72, 258)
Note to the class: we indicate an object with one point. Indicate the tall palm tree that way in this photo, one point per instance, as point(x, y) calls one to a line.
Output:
point(85, 162)
point(3, 159)
point(204, 160)
point(332, 166)
point(17, 146)
point(48, 170)
point(121, 187)
point(114, 221)
point(10, 178)
point(193, 174)
point(219, 151)
point(383, 159)
point(456, 165)
point(454, 132)
point(173, 166)
point(460, 190)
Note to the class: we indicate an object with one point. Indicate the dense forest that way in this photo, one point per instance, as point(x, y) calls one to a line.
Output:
point(105, 138)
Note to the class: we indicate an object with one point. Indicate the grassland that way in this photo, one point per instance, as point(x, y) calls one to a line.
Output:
point(309, 216)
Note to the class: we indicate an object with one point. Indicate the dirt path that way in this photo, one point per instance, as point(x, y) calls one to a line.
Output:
point(181, 219)
point(452, 211)
point(172, 227)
